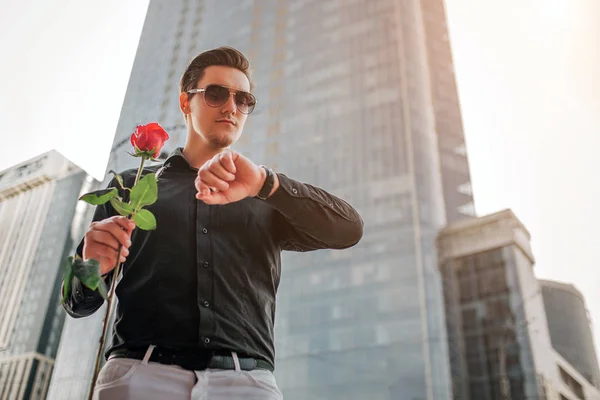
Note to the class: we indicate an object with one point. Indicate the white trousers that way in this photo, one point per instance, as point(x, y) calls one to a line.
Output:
point(130, 379)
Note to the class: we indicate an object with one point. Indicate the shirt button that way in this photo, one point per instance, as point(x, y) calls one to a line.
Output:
point(207, 340)
point(294, 190)
point(204, 230)
point(206, 304)
point(205, 264)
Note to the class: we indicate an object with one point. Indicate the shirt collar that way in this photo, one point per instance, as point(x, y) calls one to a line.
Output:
point(177, 159)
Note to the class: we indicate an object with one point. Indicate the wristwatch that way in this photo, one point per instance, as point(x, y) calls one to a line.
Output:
point(268, 185)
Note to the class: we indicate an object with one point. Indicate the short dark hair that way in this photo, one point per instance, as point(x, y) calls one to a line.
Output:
point(224, 56)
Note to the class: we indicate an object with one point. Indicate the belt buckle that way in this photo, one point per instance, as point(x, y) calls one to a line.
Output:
point(253, 363)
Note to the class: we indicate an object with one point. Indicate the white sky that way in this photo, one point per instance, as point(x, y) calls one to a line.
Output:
point(528, 77)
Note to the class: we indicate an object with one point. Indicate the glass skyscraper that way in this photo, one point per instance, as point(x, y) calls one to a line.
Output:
point(357, 97)
point(37, 203)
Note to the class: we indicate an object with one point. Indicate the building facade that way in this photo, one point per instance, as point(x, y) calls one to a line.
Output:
point(357, 97)
point(498, 336)
point(456, 178)
point(570, 328)
point(493, 304)
point(37, 204)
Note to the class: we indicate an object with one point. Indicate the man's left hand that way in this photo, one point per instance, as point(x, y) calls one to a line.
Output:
point(228, 177)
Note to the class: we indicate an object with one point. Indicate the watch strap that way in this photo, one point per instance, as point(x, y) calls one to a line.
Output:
point(268, 185)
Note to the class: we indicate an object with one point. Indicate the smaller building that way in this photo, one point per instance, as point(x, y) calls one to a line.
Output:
point(570, 328)
point(492, 305)
point(498, 335)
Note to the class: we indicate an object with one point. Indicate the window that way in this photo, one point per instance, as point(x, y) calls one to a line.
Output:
point(469, 319)
point(466, 290)
point(475, 366)
point(572, 383)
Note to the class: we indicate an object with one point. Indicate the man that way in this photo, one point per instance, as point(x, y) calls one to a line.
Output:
point(197, 295)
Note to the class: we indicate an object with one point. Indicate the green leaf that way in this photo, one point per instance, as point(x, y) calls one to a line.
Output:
point(145, 192)
point(100, 196)
point(119, 179)
point(121, 207)
point(67, 278)
point(88, 272)
point(145, 220)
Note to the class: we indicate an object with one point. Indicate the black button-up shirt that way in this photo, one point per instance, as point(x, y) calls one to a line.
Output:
point(207, 277)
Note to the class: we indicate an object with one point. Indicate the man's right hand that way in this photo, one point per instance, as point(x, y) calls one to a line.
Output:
point(102, 241)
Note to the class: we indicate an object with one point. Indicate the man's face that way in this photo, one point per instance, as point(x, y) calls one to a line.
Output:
point(219, 127)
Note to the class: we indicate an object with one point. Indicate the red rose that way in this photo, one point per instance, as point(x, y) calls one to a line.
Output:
point(149, 138)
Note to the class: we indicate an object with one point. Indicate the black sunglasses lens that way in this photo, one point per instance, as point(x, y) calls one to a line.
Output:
point(245, 102)
point(216, 96)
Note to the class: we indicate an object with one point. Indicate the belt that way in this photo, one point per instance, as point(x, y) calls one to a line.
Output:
point(193, 360)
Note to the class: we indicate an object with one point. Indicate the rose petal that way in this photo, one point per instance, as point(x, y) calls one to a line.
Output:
point(149, 137)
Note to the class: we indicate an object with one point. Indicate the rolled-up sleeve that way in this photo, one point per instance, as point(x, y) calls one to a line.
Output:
point(312, 219)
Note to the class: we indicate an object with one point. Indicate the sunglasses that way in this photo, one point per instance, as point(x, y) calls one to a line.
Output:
point(217, 95)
